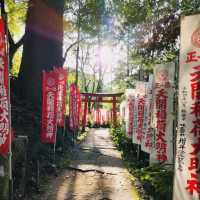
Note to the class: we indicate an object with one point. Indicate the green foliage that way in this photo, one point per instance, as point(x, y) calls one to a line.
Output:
point(82, 135)
point(16, 63)
point(154, 31)
point(91, 14)
point(118, 136)
point(156, 180)
point(16, 16)
point(129, 11)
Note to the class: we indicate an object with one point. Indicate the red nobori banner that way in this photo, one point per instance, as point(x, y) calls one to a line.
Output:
point(74, 107)
point(79, 108)
point(187, 164)
point(62, 79)
point(4, 112)
point(49, 106)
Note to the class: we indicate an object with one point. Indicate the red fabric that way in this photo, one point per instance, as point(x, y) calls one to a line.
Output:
point(78, 96)
point(49, 106)
point(4, 108)
point(74, 107)
point(98, 118)
point(107, 116)
point(84, 119)
point(62, 79)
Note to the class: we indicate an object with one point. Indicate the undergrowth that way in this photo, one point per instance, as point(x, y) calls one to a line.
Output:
point(156, 179)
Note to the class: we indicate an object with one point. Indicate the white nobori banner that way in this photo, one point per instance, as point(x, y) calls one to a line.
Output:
point(139, 109)
point(148, 132)
point(130, 100)
point(163, 88)
point(187, 163)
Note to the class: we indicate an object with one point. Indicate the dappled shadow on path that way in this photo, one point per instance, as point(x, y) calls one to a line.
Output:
point(97, 157)
point(87, 187)
point(96, 172)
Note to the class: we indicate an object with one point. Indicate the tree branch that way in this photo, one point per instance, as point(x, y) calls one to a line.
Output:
point(20, 42)
point(14, 46)
point(70, 46)
point(10, 39)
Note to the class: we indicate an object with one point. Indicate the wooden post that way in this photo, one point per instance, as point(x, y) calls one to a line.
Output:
point(114, 111)
point(85, 113)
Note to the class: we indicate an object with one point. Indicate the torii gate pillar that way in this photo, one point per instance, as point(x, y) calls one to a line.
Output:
point(114, 111)
point(85, 113)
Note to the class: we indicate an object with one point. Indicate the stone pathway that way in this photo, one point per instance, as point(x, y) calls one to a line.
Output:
point(96, 173)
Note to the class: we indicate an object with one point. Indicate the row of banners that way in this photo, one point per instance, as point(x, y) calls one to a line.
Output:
point(53, 103)
point(149, 114)
point(150, 107)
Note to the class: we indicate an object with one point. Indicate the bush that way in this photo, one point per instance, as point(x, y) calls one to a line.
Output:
point(156, 180)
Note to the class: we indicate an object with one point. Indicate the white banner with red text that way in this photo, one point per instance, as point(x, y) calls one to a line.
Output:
point(139, 108)
point(163, 92)
point(148, 132)
point(187, 163)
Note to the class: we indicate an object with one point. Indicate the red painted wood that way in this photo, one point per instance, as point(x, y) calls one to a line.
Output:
point(85, 112)
point(114, 111)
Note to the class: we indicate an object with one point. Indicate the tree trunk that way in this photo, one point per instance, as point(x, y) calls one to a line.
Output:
point(42, 46)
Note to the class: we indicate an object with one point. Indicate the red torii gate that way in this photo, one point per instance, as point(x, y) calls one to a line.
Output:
point(114, 98)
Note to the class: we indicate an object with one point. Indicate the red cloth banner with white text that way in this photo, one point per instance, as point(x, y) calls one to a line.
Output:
point(62, 79)
point(4, 112)
point(49, 106)
point(163, 108)
point(74, 107)
point(187, 163)
point(78, 106)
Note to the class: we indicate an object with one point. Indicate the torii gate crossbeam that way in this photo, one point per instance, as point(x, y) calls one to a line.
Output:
point(100, 98)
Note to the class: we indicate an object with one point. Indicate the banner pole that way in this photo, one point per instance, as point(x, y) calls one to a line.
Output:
point(4, 16)
point(54, 147)
point(64, 127)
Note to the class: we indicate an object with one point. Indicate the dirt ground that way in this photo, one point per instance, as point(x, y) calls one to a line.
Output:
point(96, 173)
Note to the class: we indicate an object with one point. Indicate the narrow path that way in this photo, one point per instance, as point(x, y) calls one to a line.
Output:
point(96, 173)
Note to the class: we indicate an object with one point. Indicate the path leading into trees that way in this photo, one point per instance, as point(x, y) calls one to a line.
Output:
point(96, 173)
